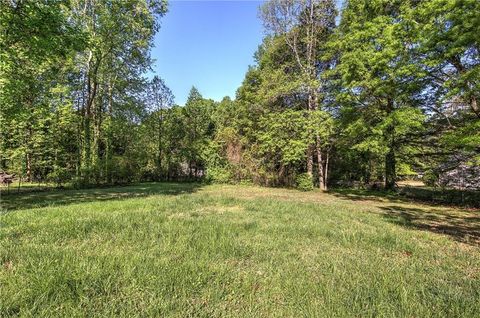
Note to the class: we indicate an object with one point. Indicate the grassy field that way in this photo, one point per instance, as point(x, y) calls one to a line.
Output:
point(205, 251)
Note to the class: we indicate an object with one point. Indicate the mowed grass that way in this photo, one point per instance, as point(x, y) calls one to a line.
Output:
point(188, 250)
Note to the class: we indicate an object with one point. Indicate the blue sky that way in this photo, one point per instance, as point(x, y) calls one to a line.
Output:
point(208, 44)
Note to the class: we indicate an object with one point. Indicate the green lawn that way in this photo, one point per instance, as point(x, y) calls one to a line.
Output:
point(204, 251)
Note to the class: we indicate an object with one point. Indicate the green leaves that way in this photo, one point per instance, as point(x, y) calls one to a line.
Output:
point(288, 134)
point(393, 80)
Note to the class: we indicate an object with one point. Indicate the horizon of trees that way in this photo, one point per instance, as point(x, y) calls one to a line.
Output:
point(389, 91)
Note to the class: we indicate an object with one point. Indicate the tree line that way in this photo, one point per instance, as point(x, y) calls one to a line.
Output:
point(370, 92)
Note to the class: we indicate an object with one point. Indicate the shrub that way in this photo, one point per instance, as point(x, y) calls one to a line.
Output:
point(304, 182)
point(218, 175)
point(59, 176)
point(430, 178)
point(246, 182)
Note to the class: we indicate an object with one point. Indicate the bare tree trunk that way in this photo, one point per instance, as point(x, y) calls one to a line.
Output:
point(474, 105)
point(313, 105)
point(311, 148)
point(28, 141)
point(321, 174)
point(92, 86)
point(323, 162)
point(97, 121)
point(108, 141)
point(92, 66)
point(79, 161)
point(326, 171)
point(310, 161)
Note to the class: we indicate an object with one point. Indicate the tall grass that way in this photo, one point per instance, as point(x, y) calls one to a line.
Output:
point(187, 250)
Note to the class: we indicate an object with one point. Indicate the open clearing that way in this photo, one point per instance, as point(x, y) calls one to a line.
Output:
point(165, 249)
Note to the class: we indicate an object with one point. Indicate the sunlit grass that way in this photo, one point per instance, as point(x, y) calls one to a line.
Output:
point(191, 250)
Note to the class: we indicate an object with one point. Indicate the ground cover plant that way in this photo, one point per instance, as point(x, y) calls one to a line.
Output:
point(173, 249)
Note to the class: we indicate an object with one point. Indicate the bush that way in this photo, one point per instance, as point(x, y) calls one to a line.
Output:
point(246, 182)
point(59, 176)
point(149, 172)
point(304, 182)
point(405, 172)
point(430, 178)
point(218, 175)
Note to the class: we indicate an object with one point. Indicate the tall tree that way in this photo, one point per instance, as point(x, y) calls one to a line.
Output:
point(161, 98)
point(199, 128)
point(120, 35)
point(37, 42)
point(449, 52)
point(381, 91)
point(305, 26)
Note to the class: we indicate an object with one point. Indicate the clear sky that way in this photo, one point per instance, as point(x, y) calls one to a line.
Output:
point(208, 44)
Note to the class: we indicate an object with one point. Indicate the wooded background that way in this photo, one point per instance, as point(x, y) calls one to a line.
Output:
point(373, 92)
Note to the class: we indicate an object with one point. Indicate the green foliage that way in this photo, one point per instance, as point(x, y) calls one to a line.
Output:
point(289, 133)
point(390, 90)
point(60, 176)
point(430, 178)
point(304, 182)
point(405, 170)
point(218, 175)
point(467, 136)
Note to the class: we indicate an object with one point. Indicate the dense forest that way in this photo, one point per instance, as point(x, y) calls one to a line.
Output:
point(370, 93)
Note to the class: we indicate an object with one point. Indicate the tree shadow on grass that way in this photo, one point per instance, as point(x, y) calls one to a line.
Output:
point(431, 196)
point(368, 195)
point(55, 197)
point(460, 225)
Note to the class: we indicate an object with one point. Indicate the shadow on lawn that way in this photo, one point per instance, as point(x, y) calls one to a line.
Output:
point(54, 197)
point(368, 195)
point(451, 197)
point(461, 226)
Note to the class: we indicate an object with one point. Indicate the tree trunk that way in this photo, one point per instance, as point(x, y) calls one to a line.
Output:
point(474, 105)
point(79, 162)
point(29, 141)
point(321, 172)
point(313, 106)
point(108, 138)
point(86, 149)
point(97, 120)
point(29, 166)
point(109, 132)
point(325, 183)
point(159, 158)
point(28, 155)
point(310, 161)
point(390, 170)
point(390, 163)
point(92, 86)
